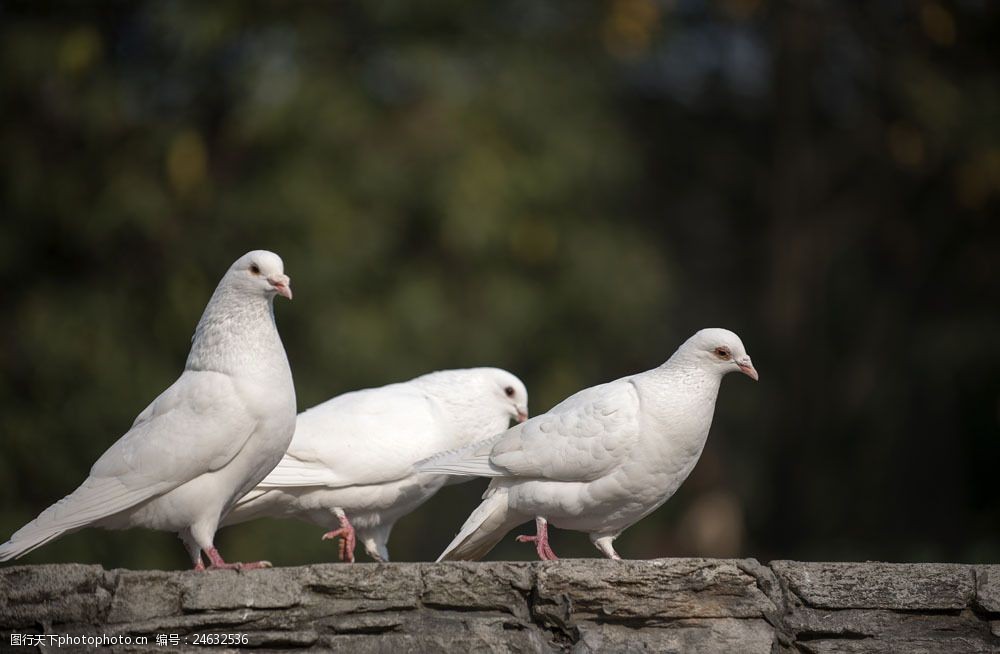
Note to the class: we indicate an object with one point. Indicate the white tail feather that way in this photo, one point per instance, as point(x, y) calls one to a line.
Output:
point(95, 499)
point(487, 525)
point(260, 503)
point(472, 460)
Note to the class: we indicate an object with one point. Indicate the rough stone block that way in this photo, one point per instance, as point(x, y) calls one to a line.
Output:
point(231, 589)
point(478, 586)
point(670, 605)
point(364, 586)
point(142, 596)
point(680, 637)
point(988, 588)
point(40, 594)
point(649, 590)
point(903, 586)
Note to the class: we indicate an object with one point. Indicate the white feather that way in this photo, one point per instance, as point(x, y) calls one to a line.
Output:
point(603, 458)
point(356, 453)
point(206, 440)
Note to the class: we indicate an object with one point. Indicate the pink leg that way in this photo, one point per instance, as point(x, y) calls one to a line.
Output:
point(217, 563)
point(347, 538)
point(199, 565)
point(541, 541)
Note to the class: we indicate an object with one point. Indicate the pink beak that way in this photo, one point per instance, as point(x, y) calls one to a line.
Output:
point(282, 284)
point(747, 368)
point(521, 416)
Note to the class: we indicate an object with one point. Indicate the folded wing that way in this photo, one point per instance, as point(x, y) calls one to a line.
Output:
point(196, 426)
point(360, 438)
point(581, 439)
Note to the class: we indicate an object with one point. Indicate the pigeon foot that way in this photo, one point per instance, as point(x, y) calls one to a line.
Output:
point(348, 539)
point(371, 548)
point(541, 540)
point(218, 563)
point(605, 545)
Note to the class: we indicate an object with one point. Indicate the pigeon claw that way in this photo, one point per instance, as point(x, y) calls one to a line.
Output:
point(348, 539)
point(541, 541)
point(545, 552)
point(255, 565)
point(216, 562)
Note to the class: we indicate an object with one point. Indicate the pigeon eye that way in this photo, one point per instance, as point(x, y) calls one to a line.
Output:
point(254, 268)
point(722, 353)
point(509, 391)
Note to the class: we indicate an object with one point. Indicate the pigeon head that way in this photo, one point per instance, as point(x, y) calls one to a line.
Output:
point(511, 391)
point(479, 394)
point(260, 272)
point(720, 350)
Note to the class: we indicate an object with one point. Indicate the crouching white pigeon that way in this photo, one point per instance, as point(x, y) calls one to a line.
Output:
point(206, 440)
point(351, 461)
point(602, 459)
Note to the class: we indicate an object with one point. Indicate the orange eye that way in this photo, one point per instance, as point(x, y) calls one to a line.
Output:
point(722, 353)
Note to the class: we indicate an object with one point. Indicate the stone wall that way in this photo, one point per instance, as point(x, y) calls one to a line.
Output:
point(591, 605)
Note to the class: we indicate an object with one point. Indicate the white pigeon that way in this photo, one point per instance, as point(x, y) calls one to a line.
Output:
point(602, 459)
point(351, 459)
point(206, 440)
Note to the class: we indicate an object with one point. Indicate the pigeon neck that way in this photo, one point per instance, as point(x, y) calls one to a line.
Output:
point(687, 377)
point(679, 397)
point(684, 385)
point(236, 334)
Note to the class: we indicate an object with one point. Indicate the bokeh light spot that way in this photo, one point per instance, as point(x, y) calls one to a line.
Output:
point(534, 241)
point(80, 50)
point(629, 27)
point(186, 162)
point(938, 23)
point(906, 145)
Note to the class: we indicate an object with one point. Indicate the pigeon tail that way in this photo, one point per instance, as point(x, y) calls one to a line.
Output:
point(487, 525)
point(95, 499)
point(376, 540)
point(471, 460)
point(15, 549)
point(251, 506)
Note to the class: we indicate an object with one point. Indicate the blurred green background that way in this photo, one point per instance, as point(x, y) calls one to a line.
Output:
point(565, 190)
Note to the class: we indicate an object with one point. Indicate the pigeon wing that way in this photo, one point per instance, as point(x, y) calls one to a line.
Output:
point(197, 425)
point(360, 438)
point(580, 439)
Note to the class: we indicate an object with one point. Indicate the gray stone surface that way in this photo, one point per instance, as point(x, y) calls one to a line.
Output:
point(588, 605)
point(909, 586)
point(988, 588)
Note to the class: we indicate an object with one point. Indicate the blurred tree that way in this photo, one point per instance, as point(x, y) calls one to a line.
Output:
point(566, 191)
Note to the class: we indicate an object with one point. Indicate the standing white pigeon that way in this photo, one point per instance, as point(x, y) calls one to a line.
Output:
point(206, 440)
point(602, 459)
point(351, 461)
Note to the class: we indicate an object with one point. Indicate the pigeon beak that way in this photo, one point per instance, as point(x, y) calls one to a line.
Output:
point(746, 367)
point(282, 285)
point(522, 415)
